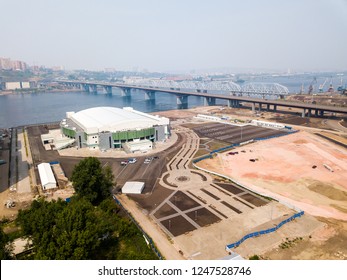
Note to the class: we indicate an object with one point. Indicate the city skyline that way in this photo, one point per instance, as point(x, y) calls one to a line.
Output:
point(178, 36)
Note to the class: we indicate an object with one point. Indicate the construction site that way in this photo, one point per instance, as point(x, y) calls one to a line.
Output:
point(215, 183)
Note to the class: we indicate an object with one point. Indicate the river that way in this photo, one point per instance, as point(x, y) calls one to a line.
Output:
point(32, 108)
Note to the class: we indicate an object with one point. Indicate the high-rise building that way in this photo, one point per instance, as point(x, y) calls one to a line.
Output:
point(5, 63)
point(8, 64)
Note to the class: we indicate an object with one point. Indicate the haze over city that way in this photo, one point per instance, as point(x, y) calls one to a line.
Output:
point(177, 36)
point(173, 130)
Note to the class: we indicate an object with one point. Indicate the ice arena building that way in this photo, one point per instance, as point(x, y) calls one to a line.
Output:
point(114, 128)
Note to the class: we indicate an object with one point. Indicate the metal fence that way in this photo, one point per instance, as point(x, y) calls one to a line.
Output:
point(274, 136)
point(261, 232)
point(239, 144)
point(215, 151)
point(150, 241)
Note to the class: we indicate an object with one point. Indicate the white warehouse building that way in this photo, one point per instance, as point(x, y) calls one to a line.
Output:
point(46, 176)
point(112, 128)
point(133, 187)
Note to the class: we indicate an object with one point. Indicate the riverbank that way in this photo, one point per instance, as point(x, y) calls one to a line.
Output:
point(37, 90)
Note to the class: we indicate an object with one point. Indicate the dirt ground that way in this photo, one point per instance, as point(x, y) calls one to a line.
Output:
point(327, 243)
point(296, 170)
point(22, 201)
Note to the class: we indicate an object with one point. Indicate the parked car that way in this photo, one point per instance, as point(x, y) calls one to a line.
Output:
point(132, 160)
point(124, 162)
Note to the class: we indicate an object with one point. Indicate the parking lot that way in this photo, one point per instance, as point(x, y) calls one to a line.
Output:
point(138, 171)
point(234, 134)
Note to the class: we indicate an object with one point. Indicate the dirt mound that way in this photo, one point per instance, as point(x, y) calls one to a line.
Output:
point(341, 209)
point(328, 190)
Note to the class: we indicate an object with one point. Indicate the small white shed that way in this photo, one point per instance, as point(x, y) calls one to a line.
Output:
point(46, 176)
point(133, 187)
point(138, 146)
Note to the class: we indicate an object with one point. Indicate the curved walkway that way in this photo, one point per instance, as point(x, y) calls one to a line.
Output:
point(180, 177)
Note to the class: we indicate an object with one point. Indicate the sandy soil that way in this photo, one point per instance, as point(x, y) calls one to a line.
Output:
point(327, 243)
point(292, 168)
point(22, 201)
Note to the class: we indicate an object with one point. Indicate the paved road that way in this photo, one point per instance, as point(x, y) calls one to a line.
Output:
point(23, 184)
point(4, 155)
point(335, 124)
point(13, 165)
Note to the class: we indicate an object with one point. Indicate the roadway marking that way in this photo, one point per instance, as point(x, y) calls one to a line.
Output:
point(121, 171)
point(148, 164)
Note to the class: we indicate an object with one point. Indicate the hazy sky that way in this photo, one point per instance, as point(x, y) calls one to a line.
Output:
point(178, 35)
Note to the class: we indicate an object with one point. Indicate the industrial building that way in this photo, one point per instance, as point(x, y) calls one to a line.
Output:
point(46, 176)
point(114, 128)
point(268, 124)
point(15, 85)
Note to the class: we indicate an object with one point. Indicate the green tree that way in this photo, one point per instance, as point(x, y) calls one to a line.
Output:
point(79, 230)
point(61, 230)
point(91, 180)
point(254, 257)
point(5, 250)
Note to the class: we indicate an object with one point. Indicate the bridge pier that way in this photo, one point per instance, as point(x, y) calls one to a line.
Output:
point(108, 89)
point(85, 87)
point(318, 113)
point(77, 86)
point(125, 92)
point(149, 95)
point(268, 107)
point(233, 103)
point(306, 111)
point(93, 88)
point(182, 101)
point(253, 107)
point(303, 114)
point(209, 101)
point(260, 106)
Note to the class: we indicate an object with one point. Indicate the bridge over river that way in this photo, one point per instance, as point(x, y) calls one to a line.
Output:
point(234, 97)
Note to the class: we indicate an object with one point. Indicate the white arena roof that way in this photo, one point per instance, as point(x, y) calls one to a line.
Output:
point(113, 119)
point(133, 187)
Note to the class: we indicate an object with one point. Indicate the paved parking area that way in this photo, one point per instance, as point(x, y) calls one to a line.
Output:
point(139, 171)
point(234, 134)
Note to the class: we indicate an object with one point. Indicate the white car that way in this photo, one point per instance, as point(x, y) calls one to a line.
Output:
point(132, 160)
point(147, 160)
